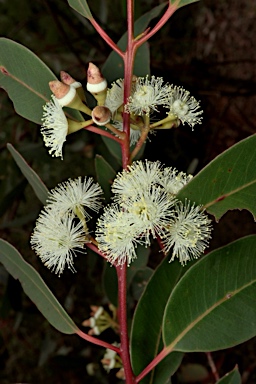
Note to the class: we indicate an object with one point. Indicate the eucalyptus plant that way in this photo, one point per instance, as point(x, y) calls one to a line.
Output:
point(193, 300)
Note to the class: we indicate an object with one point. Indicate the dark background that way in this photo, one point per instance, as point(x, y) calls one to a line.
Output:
point(210, 49)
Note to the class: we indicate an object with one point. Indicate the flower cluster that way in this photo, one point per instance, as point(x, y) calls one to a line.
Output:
point(147, 95)
point(111, 360)
point(101, 320)
point(61, 228)
point(145, 206)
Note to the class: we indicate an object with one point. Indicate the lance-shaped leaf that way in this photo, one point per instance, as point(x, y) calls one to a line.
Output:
point(232, 377)
point(146, 333)
point(228, 182)
point(81, 7)
point(36, 289)
point(213, 306)
point(34, 180)
point(114, 66)
point(25, 78)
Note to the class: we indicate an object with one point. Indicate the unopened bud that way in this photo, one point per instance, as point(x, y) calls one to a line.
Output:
point(67, 79)
point(67, 96)
point(63, 92)
point(101, 115)
point(96, 84)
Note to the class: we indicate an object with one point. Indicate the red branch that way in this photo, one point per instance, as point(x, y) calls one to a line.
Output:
point(105, 36)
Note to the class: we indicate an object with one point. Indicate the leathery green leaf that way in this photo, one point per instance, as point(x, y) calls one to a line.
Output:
point(213, 306)
point(25, 78)
point(146, 342)
point(34, 180)
point(81, 6)
point(36, 289)
point(232, 377)
point(228, 182)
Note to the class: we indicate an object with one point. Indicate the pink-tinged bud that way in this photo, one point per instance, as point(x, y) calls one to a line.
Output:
point(95, 80)
point(101, 115)
point(67, 79)
point(67, 96)
point(63, 92)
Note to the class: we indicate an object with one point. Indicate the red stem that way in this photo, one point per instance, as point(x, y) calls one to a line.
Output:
point(95, 249)
point(153, 363)
point(168, 13)
point(93, 340)
point(105, 37)
point(129, 56)
point(122, 270)
point(122, 315)
point(101, 132)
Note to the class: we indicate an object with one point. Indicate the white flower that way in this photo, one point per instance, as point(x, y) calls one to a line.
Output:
point(57, 238)
point(172, 180)
point(151, 211)
point(115, 96)
point(76, 195)
point(147, 95)
point(117, 235)
point(183, 106)
point(138, 177)
point(188, 232)
point(55, 127)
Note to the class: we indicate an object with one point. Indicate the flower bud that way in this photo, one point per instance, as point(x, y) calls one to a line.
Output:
point(100, 320)
point(67, 79)
point(101, 115)
point(63, 92)
point(67, 96)
point(96, 84)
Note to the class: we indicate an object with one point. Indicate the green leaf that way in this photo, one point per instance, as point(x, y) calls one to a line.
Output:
point(114, 68)
point(140, 281)
point(105, 175)
point(25, 78)
point(166, 368)
point(181, 3)
point(114, 148)
point(146, 342)
point(213, 306)
point(81, 7)
point(232, 377)
point(228, 182)
point(34, 180)
point(36, 289)
point(138, 264)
